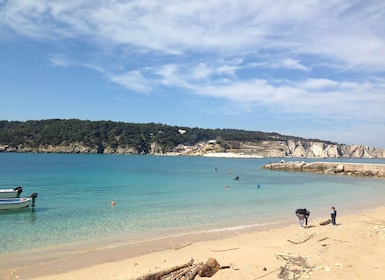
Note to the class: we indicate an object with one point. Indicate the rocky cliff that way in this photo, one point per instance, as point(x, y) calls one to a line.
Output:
point(322, 150)
point(307, 149)
point(278, 149)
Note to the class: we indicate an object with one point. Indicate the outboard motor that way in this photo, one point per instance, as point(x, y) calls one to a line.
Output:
point(19, 191)
point(33, 196)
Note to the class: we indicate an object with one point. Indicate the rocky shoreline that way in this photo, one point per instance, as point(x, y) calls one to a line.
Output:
point(339, 168)
point(262, 149)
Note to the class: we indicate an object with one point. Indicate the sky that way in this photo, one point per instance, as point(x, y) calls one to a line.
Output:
point(312, 69)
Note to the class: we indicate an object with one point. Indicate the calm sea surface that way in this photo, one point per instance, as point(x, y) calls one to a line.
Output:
point(161, 196)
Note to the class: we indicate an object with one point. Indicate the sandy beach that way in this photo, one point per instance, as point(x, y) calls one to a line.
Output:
point(354, 249)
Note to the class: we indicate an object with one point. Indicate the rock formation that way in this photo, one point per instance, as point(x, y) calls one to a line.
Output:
point(307, 149)
point(276, 149)
point(343, 168)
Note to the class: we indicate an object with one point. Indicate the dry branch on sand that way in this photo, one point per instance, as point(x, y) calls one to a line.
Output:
point(165, 272)
point(302, 241)
point(295, 267)
point(186, 271)
point(324, 223)
point(183, 246)
point(224, 250)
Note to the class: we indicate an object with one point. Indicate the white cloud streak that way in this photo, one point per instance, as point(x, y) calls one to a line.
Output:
point(336, 29)
point(133, 80)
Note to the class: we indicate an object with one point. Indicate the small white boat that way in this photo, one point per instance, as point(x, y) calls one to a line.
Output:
point(16, 203)
point(11, 193)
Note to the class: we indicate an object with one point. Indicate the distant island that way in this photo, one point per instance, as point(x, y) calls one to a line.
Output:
point(107, 137)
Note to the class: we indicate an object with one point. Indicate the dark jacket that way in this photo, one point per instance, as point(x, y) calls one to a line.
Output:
point(302, 212)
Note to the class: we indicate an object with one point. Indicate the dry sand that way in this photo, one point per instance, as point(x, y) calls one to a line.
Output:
point(355, 249)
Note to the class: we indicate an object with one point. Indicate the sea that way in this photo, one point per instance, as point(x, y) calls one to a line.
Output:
point(93, 200)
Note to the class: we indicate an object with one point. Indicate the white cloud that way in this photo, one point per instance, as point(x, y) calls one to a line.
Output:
point(335, 30)
point(317, 98)
point(132, 80)
point(201, 71)
point(320, 59)
point(170, 76)
point(206, 71)
point(290, 64)
point(60, 60)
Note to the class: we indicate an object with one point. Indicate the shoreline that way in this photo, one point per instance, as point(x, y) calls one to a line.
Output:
point(74, 256)
point(251, 251)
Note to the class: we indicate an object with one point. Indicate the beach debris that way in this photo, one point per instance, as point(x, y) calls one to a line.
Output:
point(295, 267)
point(271, 272)
point(186, 271)
point(302, 241)
point(377, 229)
point(323, 239)
point(234, 266)
point(182, 246)
point(224, 250)
point(166, 272)
point(324, 223)
point(209, 268)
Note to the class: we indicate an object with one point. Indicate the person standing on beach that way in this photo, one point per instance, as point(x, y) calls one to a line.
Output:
point(303, 215)
point(333, 215)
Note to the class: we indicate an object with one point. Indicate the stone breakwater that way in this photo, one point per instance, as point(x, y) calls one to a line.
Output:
point(350, 169)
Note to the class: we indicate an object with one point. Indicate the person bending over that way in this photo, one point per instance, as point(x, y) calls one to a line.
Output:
point(303, 215)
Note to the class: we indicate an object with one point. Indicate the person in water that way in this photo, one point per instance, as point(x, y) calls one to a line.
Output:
point(303, 215)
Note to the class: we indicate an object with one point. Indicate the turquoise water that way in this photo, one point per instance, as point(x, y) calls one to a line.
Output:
point(161, 196)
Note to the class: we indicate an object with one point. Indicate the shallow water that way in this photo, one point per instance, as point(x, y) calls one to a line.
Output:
point(160, 196)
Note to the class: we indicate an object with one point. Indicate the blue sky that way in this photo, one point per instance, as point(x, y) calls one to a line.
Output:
point(314, 69)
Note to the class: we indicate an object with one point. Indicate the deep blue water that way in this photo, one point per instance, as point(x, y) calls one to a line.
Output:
point(161, 196)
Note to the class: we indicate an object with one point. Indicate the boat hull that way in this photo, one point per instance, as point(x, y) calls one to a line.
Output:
point(14, 203)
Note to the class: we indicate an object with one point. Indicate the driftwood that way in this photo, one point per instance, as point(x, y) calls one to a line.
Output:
point(303, 241)
point(224, 250)
point(186, 271)
point(325, 222)
point(323, 239)
point(194, 272)
point(271, 272)
point(182, 246)
point(295, 268)
point(293, 259)
point(158, 275)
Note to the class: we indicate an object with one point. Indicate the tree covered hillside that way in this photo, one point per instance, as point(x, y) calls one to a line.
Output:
point(99, 135)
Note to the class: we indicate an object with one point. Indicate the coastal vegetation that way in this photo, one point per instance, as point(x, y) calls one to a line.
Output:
point(108, 137)
point(134, 136)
